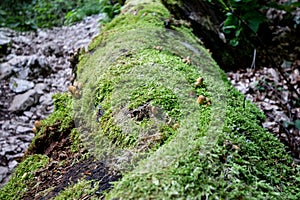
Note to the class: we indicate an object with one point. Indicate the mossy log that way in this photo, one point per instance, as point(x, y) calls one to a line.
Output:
point(151, 105)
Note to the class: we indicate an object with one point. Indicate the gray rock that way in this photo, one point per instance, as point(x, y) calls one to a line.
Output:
point(18, 61)
point(3, 173)
point(42, 34)
point(28, 114)
point(5, 70)
point(10, 56)
point(22, 73)
point(22, 39)
point(23, 101)
point(40, 87)
point(26, 138)
point(4, 42)
point(9, 148)
point(46, 99)
point(23, 119)
point(12, 164)
point(23, 129)
point(19, 85)
point(33, 65)
point(15, 156)
point(40, 57)
point(39, 66)
point(3, 160)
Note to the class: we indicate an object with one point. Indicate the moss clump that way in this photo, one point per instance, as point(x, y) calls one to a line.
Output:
point(23, 175)
point(246, 163)
point(81, 189)
point(63, 111)
point(61, 120)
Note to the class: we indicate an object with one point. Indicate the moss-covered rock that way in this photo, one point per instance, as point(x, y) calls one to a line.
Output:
point(157, 110)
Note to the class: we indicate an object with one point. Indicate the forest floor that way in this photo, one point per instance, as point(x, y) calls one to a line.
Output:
point(271, 92)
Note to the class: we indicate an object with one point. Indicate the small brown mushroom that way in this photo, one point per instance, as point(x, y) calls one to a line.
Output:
point(159, 48)
point(199, 81)
point(77, 94)
point(208, 102)
point(235, 147)
point(79, 85)
point(201, 99)
point(34, 130)
point(154, 110)
point(176, 126)
point(72, 89)
point(37, 124)
point(187, 60)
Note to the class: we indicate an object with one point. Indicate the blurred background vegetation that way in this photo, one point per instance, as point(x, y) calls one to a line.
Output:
point(24, 15)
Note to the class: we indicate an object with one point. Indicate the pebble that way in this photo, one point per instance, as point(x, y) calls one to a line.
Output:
point(19, 85)
point(32, 68)
point(23, 129)
point(3, 173)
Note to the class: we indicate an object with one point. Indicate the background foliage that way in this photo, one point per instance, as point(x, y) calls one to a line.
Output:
point(243, 18)
point(26, 15)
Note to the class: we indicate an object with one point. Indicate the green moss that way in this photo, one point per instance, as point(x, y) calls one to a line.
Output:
point(63, 114)
point(148, 14)
point(23, 175)
point(63, 110)
point(76, 142)
point(80, 190)
point(252, 169)
point(158, 96)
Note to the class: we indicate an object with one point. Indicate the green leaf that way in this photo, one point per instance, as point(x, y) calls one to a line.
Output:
point(234, 42)
point(297, 124)
point(253, 20)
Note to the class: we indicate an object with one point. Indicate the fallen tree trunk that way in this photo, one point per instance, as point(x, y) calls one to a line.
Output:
point(153, 111)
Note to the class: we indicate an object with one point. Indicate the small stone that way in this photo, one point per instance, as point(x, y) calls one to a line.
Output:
point(22, 73)
point(46, 99)
point(3, 173)
point(19, 85)
point(28, 114)
point(4, 40)
point(18, 61)
point(23, 101)
point(9, 148)
point(26, 137)
point(5, 70)
point(23, 119)
point(42, 34)
point(12, 164)
point(23, 129)
point(40, 87)
point(15, 156)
